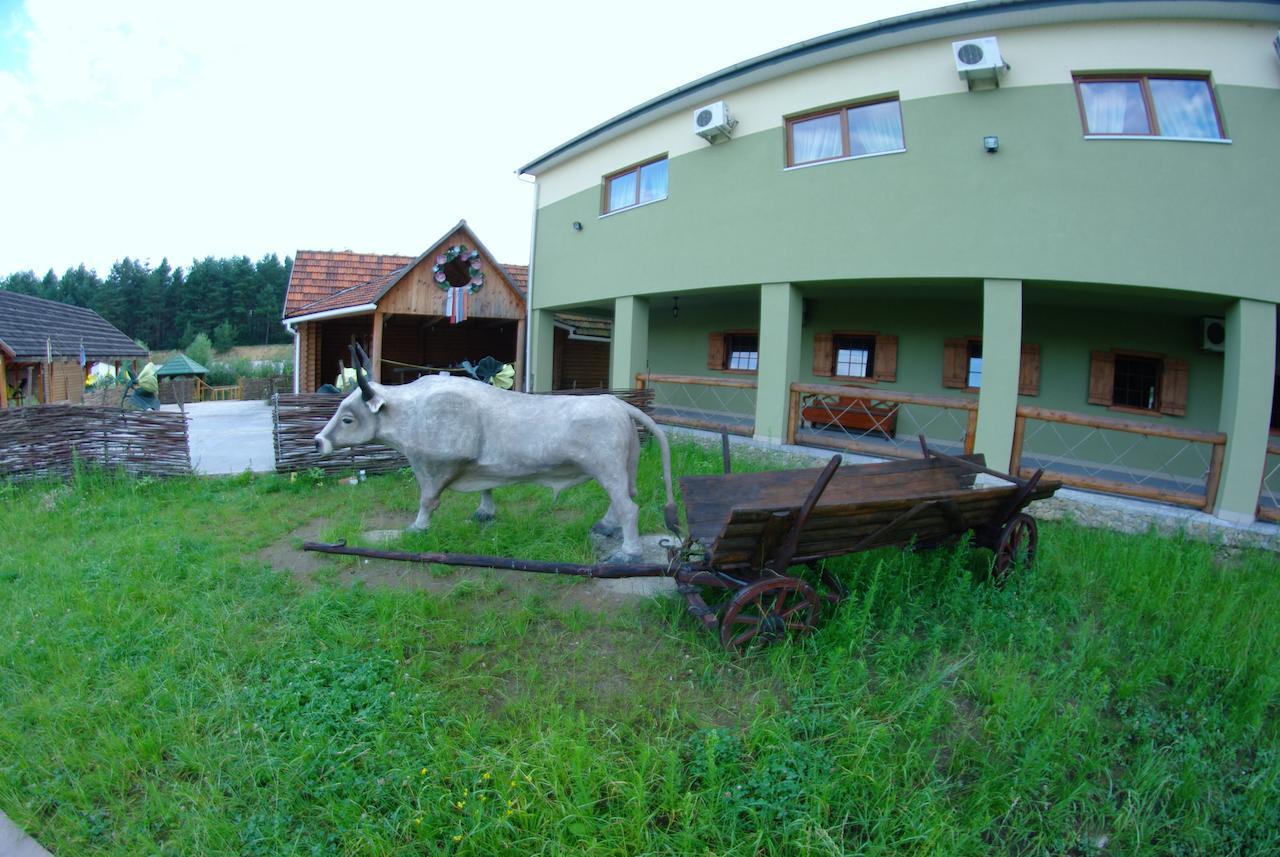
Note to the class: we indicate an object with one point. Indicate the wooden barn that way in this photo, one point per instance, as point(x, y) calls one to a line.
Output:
point(413, 315)
point(46, 347)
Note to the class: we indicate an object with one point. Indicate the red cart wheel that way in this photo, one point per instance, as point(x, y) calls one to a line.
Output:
point(1017, 543)
point(766, 610)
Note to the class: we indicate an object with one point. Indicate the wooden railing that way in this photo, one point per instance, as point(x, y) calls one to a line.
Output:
point(1269, 495)
point(699, 412)
point(879, 416)
point(1136, 488)
point(207, 393)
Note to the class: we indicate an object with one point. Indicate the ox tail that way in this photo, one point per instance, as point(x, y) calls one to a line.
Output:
point(670, 513)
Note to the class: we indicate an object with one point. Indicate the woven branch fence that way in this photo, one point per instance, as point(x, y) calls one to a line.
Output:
point(48, 441)
point(297, 419)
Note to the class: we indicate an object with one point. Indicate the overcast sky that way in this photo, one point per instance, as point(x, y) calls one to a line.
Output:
point(154, 128)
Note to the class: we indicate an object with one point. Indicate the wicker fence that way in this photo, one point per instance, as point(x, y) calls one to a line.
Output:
point(296, 419)
point(50, 439)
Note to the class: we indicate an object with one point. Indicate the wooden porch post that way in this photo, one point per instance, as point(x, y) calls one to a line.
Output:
point(4, 384)
point(376, 351)
point(519, 355)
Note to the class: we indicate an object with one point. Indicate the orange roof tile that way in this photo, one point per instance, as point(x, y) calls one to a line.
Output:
point(319, 274)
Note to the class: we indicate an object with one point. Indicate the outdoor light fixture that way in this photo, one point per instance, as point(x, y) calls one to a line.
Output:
point(991, 144)
point(675, 307)
point(577, 226)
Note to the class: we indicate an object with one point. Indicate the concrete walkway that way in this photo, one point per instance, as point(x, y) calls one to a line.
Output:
point(15, 843)
point(229, 437)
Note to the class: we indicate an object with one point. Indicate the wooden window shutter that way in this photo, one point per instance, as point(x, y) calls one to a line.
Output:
point(715, 350)
point(955, 363)
point(886, 358)
point(1102, 377)
point(1173, 388)
point(1029, 371)
point(824, 358)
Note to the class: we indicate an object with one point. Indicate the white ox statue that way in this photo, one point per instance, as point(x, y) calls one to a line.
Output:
point(469, 436)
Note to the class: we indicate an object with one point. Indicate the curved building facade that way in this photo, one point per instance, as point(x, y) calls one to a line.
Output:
point(1078, 234)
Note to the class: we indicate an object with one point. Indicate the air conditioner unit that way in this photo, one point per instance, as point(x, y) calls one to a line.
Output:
point(1213, 334)
point(713, 122)
point(978, 59)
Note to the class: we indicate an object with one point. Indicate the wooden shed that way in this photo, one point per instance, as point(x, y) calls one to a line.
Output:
point(45, 347)
point(413, 315)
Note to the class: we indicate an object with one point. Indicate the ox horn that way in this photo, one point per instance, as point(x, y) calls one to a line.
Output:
point(366, 392)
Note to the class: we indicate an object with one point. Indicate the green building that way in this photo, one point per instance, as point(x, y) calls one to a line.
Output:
point(1049, 232)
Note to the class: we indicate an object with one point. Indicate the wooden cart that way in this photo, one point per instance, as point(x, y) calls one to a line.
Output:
point(748, 531)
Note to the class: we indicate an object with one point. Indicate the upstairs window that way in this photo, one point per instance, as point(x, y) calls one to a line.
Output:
point(852, 131)
point(636, 185)
point(1149, 106)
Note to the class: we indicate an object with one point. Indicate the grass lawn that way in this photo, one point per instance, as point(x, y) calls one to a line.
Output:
point(163, 690)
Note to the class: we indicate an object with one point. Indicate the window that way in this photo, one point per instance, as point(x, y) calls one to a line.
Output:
point(974, 364)
point(636, 186)
point(962, 366)
point(733, 350)
point(855, 355)
point(744, 352)
point(845, 132)
point(1149, 106)
point(1138, 381)
point(866, 356)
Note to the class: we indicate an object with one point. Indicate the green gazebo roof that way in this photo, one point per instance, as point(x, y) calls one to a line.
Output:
point(180, 364)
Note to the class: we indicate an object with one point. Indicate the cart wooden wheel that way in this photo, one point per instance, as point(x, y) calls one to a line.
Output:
point(1017, 542)
point(829, 587)
point(766, 610)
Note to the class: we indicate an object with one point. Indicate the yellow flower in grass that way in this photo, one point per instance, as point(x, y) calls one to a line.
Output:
point(483, 798)
point(457, 837)
point(422, 773)
point(486, 776)
point(459, 804)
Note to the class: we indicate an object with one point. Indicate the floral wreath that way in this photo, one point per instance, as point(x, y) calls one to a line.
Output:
point(472, 260)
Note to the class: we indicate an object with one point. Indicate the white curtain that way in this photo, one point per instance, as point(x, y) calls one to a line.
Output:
point(875, 128)
point(1184, 108)
point(622, 191)
point(816, 139)
point(653, 181)
point(1114, 107)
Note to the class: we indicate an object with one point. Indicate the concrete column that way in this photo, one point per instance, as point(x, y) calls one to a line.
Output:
point(781, 316)
point(629, 348)
point(542, 350)
point(1248, 378)
point(1001, 360)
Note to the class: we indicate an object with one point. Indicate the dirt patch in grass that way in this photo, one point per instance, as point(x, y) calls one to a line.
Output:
point(310, 569)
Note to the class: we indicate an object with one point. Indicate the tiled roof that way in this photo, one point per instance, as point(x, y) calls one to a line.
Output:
point(26, 323)
point(326, 280)
point(319, 274)
point(585, 325)
point(355, 296)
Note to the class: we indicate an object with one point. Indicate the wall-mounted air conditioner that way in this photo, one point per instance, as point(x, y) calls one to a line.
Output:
point(1213, 334)
point(979, 59)
point(713, 122)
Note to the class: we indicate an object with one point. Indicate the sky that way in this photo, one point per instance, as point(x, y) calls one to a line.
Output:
point(158, 129)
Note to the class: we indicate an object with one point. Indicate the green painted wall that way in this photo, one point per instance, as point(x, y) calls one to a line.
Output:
point(1065, 335)
point(1198, 217)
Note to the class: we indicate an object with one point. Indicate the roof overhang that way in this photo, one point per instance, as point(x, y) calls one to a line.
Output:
point(330, 313)
point(945, 22)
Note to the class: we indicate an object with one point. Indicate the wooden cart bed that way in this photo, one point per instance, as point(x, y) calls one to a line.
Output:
point(742, 519)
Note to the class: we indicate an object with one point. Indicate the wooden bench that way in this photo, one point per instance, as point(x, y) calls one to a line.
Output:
point(852, 412)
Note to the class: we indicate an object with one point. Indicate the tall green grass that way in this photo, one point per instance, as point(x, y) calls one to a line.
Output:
point(163, 691)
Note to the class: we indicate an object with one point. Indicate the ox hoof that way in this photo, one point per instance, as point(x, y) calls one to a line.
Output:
point(602, 529)
point(415, 527)
point(623, 558)
point(483, 517)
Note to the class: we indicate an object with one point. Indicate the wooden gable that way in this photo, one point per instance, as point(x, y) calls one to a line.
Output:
point(417, 293)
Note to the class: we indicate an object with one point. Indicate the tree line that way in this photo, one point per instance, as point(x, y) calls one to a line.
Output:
point(234, 301)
